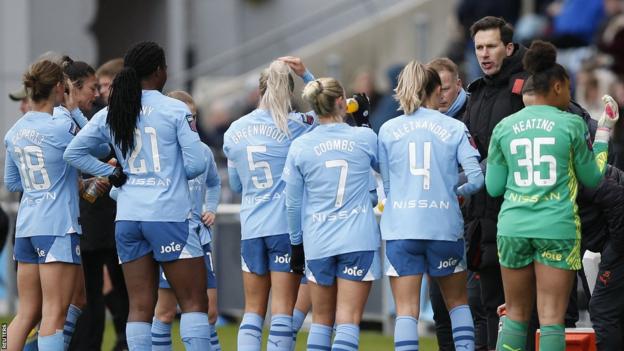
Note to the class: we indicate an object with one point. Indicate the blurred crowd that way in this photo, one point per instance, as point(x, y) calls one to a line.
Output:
point(588, 33)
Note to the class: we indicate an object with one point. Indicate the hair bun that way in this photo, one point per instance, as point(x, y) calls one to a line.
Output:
point(540, 57)
point(311, 91)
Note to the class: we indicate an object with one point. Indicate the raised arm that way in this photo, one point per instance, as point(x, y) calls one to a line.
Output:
point(78, 152)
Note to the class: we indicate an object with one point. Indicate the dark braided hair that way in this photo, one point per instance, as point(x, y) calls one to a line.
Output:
point(76, 71)
point(124, 106)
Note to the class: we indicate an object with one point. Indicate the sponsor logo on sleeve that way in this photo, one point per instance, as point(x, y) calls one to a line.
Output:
point(192, 123)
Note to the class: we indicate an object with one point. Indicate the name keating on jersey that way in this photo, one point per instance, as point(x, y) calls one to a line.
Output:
point(535, 123)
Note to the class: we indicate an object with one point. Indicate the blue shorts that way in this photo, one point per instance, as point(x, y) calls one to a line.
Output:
point(47, 249)
point(437, 258)
point(211, 278)
point(167, 241)
point(355, 266)
point(269, 253)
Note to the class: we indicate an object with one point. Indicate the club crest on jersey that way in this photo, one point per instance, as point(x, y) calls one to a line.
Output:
point(471, 140)
point(191, 121)
point(588, 141)
point(307, 119)
point(74, 129)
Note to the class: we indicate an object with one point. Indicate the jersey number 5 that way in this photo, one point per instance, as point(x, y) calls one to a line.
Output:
point(532, 158)
point(264, 165)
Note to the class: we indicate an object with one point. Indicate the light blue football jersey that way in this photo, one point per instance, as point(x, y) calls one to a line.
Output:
point(167, 153)
point(331, 168)
point(205, 191)
point(34, 164)
point(419, 155)
point(256, 151)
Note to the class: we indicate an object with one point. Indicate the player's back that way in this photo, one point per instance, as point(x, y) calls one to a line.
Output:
point(157, 187)
point(419, 163)
point(49, 204)
point(538, 146)
point(335, 162)
point(257, 149)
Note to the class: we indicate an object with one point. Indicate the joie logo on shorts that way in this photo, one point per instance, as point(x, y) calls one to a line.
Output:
point(553, 256)
point(451, 262)
point(40, 252)
point(354, 271)
point(282, 259)
point(173, 247)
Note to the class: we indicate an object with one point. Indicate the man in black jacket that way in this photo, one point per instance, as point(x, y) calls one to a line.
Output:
point(494, 96)
point(602, 216)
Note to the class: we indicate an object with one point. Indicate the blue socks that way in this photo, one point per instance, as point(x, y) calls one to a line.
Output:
point(54, 342)
point(297, 322)
point(250, 332)
point(347, 338)
point(280, 334)
point(406, 334)
point(319, 337)
point(139, 336)
point(463, 328)
point(161, 335)
point(195, 331)
point(214, 338)
point(73, 313)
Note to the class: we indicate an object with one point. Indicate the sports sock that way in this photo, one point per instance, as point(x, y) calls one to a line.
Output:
point(54, 342)
point(406, 333)
point(161, 335)
point(463, 328)
point(73, 313)
point(250, 332)
point(347, 338)
point(552, 337)
point(195, 331)
point(298, 318)
point(319, 337)
point(280, 334)
point(139, 336)
point(214, 338)
point(512, 336)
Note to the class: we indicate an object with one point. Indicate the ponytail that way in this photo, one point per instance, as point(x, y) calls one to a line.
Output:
point(276, 93)
point(124, 106)
point(410, 91)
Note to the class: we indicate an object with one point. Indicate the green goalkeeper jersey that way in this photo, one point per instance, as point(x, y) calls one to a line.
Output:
point(534, 159)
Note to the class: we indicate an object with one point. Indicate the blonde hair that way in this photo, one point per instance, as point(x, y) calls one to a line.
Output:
point(184, 97)
point(276, 85)
point(321, 94)
point(410, 91)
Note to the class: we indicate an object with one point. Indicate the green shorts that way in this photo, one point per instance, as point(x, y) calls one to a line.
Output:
point(516, 252)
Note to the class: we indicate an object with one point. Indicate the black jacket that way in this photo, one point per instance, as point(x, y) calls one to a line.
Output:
point(491, 99)
point(602, 213)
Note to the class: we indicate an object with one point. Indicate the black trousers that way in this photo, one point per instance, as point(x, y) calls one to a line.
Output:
point(443, 320)
point(606, 306)
point(90, 325)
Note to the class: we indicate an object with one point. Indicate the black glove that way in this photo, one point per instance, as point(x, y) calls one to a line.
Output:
point(361, 115)
point(297, 258)
point(118, 177)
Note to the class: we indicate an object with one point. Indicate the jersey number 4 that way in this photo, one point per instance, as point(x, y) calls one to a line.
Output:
point(533, 158)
